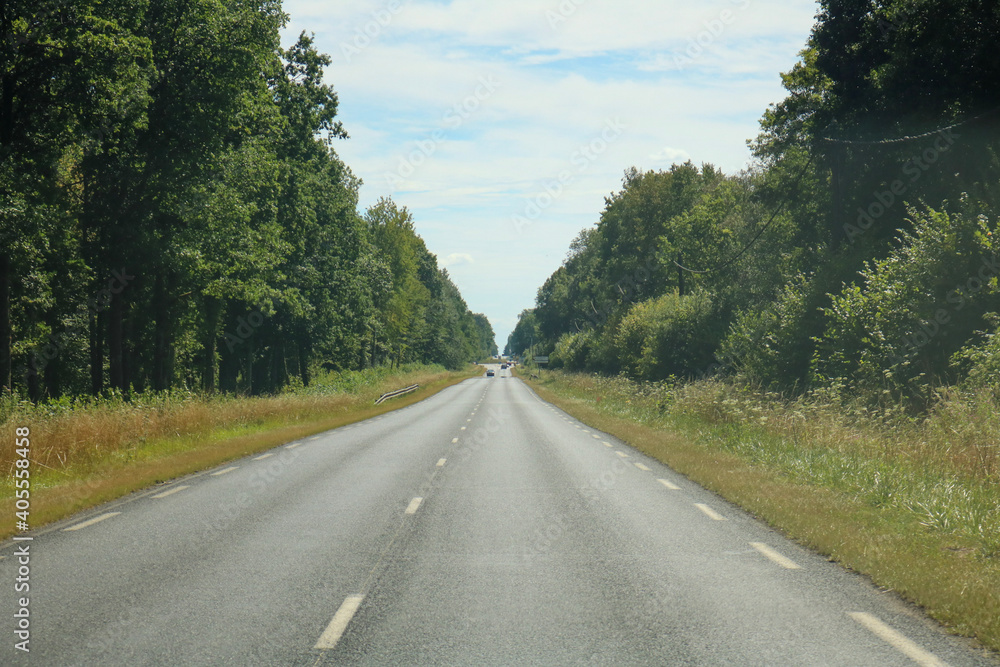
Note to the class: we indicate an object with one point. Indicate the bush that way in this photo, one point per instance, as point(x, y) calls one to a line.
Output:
point(772, 347)
point(897, 331)
point(571, 351)
point(668, 336)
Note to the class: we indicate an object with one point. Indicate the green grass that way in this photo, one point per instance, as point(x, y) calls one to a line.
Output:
point(913, 503)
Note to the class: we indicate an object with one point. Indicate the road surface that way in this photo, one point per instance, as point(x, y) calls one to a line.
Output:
point(481, 526)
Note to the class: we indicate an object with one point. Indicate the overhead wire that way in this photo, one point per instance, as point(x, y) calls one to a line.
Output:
point(880, 142)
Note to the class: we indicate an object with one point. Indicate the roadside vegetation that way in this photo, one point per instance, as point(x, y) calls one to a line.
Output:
point(174, 214)
point(816, 337)
point(912, 502)
point(86, 451)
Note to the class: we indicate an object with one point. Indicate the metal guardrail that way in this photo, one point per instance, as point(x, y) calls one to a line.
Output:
point(398, 392)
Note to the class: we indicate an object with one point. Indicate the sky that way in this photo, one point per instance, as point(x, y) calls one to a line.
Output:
point(503, 126)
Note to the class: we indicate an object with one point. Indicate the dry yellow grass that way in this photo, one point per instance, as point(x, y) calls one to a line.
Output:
point(87, 457)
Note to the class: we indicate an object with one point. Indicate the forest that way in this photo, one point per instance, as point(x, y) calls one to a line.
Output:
point(857, 252)
point(173, 213)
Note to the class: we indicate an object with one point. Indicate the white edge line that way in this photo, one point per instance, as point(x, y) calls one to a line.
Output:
point(774, 556)
point(263, 456)
point(898, 641)
point(669, 485)
point(294, 445)
point(223, 472)
point(414, 504)
point(91, 522)
point(335, 630)
point(709, 512)
point(170, 492)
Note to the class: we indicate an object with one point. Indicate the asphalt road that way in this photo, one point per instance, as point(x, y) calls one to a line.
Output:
point(479, 527)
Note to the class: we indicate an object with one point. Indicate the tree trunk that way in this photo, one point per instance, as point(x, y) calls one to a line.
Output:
point(680, 275)
point(837, 219)
point(97, 325)
point(115, 321)
point(5, 327)
point(161, 335)
point(213, 309)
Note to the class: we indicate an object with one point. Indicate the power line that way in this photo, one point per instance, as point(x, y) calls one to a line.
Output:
point(880, 142)
point(760, 232)
point(901, 140)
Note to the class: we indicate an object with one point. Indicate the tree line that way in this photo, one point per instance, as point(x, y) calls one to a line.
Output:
point(174, 213)
point(858, 249)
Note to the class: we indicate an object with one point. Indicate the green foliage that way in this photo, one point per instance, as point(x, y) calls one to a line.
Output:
point(772, 346)
point(815, 269)
point(669, 336)
point(173, 214)
point(898, 328)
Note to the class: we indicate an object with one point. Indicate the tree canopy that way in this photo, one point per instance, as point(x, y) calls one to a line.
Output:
point(173, 212)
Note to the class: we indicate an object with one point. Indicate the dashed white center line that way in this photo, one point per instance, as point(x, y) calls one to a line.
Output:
point(293, 445)
point(315, 437)
point(263, 456)
point(595, 436)
point(454, 440)
point(622, 454)
point(441, 463)
point(669, 485)
point(906, 646)
point(91, 522)
point(462, 429)
point(170, 492)
point(774, 556)
point(414, 504)
point(607, 444)
point(223, 472)
point(709, 512)
point(641, 467)
point(335, 630)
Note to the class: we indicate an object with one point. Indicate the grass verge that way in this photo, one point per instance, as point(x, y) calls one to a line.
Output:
point(84, 455)
point(910, 506)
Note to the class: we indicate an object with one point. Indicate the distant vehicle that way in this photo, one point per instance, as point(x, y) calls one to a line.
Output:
point(503, 367)
point(490, 373)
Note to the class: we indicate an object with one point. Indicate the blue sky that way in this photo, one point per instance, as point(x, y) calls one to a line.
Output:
point(502, 126)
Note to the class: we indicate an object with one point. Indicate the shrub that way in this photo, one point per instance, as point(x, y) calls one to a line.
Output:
point(897, 331)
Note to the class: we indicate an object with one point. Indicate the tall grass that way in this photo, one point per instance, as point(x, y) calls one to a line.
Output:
point(942, 468)
point(913, 502)
point(76, 433)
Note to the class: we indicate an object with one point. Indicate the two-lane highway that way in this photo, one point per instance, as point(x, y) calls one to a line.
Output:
point(479, 527)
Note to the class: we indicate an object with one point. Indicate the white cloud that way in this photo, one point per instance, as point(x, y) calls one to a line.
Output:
point(556, 87)
point(456, 259)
